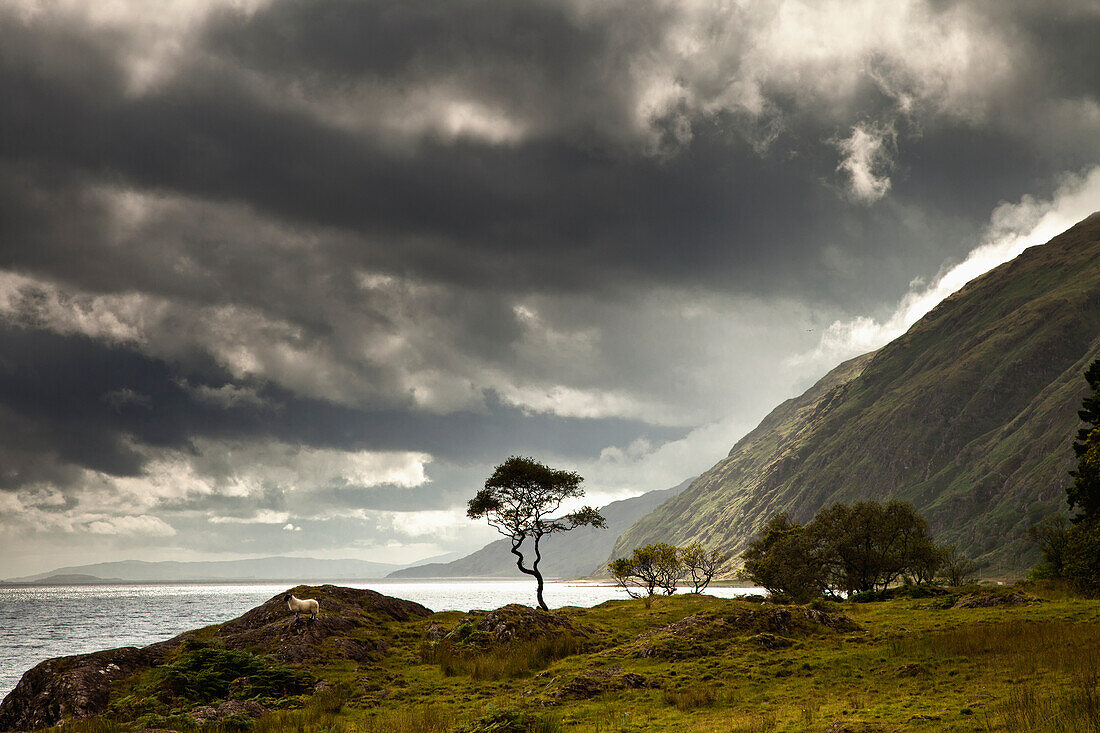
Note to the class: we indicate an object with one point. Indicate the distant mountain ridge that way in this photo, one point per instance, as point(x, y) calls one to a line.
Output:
point(574, 554)
point(265, 568)
point(969, 415)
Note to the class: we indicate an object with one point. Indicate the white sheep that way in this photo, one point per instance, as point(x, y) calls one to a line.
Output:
point(300, 606)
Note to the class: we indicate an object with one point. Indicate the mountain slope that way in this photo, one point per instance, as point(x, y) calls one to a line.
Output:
point(572, 555)
point(264, 568)
point(969, 415)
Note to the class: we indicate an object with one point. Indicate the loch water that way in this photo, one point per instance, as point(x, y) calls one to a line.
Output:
point(40, 622)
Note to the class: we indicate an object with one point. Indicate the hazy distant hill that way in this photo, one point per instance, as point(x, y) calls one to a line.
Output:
point(969, 416)
point(265, 568)
point(573, 554)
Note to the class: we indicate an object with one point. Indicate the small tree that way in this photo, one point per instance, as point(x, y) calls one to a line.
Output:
point(957, 568)
point(519, 500)
point(870, 545)
point(1052, 535)
point(926, 561)
point(788, 560)
point(650, 568)
point(701, 565)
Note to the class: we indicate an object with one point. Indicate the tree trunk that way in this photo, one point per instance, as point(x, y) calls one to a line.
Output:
point(533, 570)
point(538, 575)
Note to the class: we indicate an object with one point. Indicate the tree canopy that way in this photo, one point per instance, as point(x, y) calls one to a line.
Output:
point(854, 548)
point(520, 500)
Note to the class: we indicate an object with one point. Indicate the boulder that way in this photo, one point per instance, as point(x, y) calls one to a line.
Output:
point(71, 687)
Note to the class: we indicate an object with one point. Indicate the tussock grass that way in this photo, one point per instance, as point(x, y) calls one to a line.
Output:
point(691, 697)
point(420, 718)
point(320, 713)
point(515, 659)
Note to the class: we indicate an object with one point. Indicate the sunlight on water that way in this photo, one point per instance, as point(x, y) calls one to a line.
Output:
point(38, 623)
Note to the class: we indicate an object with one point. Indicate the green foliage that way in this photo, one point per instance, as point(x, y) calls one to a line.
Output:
point(787, 560)
point(1082, 557)
point(519, 500)
point(1084, 494)
point(856, 549)
point(870, 545)
point(701, 565)
point(1052, 537)
point(649, 569)
point(205, 674)
point(956, 569)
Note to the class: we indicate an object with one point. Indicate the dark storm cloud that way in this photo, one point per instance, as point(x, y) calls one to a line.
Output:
point(561, 210)
point(61, 396)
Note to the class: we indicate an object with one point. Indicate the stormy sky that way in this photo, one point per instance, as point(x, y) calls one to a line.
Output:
point(292, 276)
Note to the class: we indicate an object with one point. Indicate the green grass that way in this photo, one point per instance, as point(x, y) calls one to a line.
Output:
point(912, 664)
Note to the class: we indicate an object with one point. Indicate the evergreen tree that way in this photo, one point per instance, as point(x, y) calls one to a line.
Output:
point(1085, 492)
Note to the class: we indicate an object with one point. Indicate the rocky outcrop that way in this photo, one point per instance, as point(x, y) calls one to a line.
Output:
point(593, 682)
point(765, 625)
point(296, 641)
point(522, 623)
point(228, 709)
point(79, 686)
point(71, 687)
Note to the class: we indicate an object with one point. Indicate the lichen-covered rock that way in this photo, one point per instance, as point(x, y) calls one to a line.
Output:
point(593, 682)
point(770, 641)
point(66, 688)
point(228, 709)
point(521, 623)
point(511, 623)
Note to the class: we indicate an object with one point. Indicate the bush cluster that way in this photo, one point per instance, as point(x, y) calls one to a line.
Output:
point(850, 549)
point(660, 568)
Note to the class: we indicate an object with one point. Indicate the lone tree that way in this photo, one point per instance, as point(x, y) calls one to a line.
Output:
point(519, 501)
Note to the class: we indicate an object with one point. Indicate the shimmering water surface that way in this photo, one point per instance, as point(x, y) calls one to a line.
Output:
point(38, 623)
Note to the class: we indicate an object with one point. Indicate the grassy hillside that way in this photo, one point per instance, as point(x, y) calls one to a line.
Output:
point(575, 554)
point(969, 416)
point(973, 659)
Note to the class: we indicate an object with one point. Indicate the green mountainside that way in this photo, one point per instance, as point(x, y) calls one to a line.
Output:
point(572, 555)
point(969, 416)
